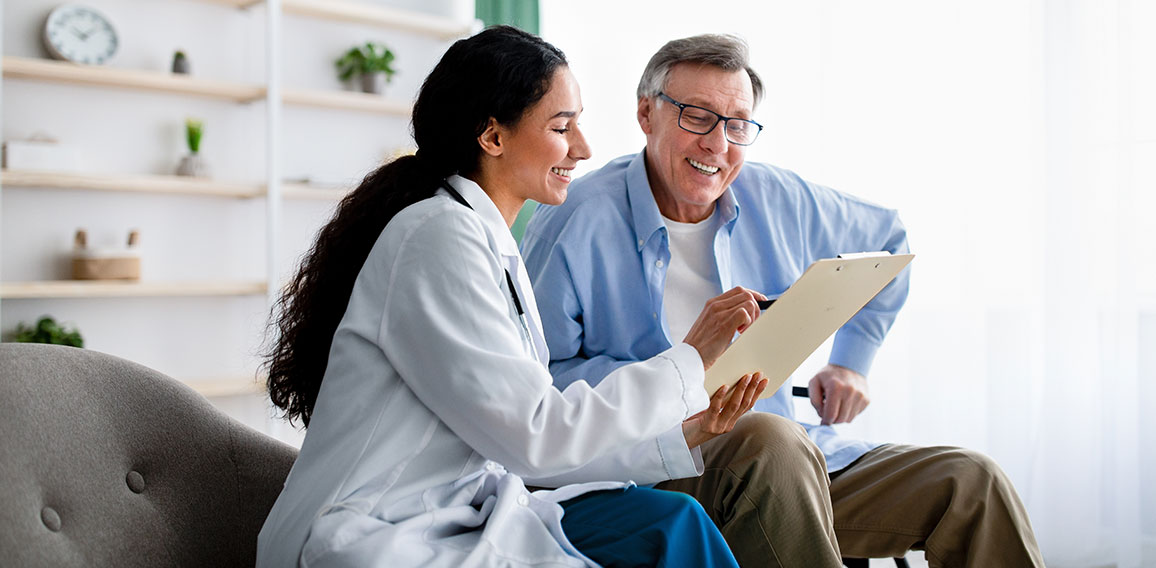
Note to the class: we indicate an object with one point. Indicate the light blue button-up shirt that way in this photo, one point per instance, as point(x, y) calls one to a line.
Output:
point(598, 266)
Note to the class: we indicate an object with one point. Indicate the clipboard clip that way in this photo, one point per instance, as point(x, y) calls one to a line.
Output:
point(853, 255)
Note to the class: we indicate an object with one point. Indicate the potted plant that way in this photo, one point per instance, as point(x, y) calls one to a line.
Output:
point(372, 62)
point(47, 330)
point(180, 63)
point(192, 164)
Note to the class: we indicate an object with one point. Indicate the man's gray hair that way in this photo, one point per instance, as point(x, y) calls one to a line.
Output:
point(727, 52)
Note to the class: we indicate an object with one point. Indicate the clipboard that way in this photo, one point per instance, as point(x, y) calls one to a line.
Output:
point(830, 292)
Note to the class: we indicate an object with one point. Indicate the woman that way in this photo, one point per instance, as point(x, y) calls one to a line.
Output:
point(410, 347)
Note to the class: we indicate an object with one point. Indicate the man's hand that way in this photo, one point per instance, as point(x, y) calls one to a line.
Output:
point(838, 394)
point(725, 409)
point(723, 315)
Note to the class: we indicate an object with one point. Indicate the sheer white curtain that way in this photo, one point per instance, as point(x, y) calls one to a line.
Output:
point(1018, 141)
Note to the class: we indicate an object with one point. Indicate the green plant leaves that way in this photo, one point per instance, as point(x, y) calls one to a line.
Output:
point(368, 58)
point(47, 330)
point(193, 131)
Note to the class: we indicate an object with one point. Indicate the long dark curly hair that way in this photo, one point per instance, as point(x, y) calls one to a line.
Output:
point(499, 73)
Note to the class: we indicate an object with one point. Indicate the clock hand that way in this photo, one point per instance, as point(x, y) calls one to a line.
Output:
point(83, 36)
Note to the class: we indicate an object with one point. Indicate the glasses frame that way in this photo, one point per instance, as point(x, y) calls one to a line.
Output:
point(719, 118)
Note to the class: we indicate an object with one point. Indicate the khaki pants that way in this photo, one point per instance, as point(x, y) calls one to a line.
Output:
point(766, 487)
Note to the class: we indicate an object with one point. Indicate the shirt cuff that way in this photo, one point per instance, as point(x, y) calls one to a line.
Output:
point(853, 351)
point(679, 460)
point(688, 364)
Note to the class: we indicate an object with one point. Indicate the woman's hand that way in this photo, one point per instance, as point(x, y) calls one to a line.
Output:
point(723, 315)
point(724, 410)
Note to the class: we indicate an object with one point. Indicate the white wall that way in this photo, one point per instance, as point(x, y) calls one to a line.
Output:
point(190, 238)
point(1017, 139)
point(852, 102)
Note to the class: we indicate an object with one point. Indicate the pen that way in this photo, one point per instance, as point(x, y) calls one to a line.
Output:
point(764, 304)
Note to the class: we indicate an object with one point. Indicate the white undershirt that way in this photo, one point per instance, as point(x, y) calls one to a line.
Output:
point(692, 277)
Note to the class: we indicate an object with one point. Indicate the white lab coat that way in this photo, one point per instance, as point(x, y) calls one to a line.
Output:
point(435, 406)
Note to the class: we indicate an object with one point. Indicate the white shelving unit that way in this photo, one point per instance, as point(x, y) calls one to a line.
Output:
point(268, 91)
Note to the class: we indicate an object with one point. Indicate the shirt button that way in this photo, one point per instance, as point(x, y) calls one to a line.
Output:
point(640, 242)
point(658, 263)
point(491, 466)
point(523, 500)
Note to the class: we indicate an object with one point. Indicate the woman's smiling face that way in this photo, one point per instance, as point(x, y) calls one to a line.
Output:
point(539, 152)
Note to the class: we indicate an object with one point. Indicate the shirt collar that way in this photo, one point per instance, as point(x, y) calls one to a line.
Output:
point(728, 206)
point(488, 211)
point(644, 209)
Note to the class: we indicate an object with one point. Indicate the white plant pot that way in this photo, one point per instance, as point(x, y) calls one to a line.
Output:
point(193, 165)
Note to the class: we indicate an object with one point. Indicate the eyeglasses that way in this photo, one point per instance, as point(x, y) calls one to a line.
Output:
point(699, 120)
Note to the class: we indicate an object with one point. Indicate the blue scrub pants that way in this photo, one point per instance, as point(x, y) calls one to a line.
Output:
point(640, 526)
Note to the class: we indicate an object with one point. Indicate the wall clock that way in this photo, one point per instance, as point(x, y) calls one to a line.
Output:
point(79, 34)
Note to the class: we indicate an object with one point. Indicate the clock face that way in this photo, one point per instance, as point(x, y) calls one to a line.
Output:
point(79, 34)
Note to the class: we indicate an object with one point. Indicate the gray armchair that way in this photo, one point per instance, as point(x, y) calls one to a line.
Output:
point(104, 462)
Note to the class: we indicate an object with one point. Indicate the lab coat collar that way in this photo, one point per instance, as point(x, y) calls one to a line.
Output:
point(507, 248)
point(484, 206)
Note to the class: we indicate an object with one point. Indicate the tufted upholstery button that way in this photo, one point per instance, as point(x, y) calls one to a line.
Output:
point(135, 482)
point(50, 519)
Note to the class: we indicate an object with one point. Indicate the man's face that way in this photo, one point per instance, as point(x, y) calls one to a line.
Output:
point(688, 172)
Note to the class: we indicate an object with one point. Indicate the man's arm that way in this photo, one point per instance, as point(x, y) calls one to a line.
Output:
point(829, 223)
point(874, 229)
point(846, 224)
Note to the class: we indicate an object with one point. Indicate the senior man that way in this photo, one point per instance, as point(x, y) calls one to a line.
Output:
point(626, 264)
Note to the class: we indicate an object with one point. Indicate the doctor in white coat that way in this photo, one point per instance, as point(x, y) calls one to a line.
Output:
point(410, 346)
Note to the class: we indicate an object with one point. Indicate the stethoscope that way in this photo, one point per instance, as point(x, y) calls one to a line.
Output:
point(509, 279)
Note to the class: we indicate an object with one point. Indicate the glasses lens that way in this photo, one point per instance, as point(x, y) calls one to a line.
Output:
point(697, 120)
point(741, 131)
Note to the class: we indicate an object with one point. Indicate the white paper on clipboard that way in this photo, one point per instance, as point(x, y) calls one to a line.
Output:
point(830, 292)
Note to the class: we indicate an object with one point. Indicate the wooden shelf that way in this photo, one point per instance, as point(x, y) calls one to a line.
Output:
point(127, 289)
point(229, 386)
point(176, 185)
point(154, 81)
point(372, 14)
point(100, 76)
point(235, 3)
point(346, 100)
point(365, 13)
point(169, 185)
